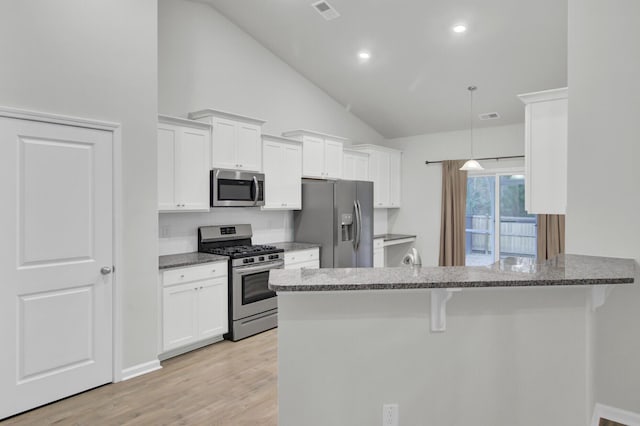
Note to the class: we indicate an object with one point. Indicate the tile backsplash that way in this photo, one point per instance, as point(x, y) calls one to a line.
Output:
point(179, 231)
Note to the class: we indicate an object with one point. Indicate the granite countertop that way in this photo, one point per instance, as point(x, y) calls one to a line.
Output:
point(563, 270)
point(295, 246)
point(390, 237)
point(188, 259)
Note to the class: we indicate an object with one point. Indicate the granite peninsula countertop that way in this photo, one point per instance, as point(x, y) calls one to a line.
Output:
point(564, 270)
point(188, 259)
point(295, 246)
point(391, 237)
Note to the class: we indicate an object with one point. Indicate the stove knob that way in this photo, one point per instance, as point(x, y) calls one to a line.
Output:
point(261, 258)
point(251, 260)
point(245, 261)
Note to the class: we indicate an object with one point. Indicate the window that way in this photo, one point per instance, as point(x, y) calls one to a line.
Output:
point(497, 225)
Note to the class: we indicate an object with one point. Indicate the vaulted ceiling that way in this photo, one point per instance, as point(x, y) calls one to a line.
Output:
point(416, 79)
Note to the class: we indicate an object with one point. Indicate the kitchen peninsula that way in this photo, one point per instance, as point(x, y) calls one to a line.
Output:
point(510, 343)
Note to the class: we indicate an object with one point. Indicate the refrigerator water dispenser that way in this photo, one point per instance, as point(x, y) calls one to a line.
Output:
point(346, 227)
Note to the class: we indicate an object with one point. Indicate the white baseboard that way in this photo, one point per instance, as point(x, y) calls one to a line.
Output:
point(140, 369)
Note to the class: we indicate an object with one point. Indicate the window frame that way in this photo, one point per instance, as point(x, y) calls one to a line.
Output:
point(496, 172)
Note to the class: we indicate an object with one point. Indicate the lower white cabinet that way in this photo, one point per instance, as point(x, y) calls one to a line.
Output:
point(308, 258)
point(282, 166)
point(378, 253)
point(194, 310)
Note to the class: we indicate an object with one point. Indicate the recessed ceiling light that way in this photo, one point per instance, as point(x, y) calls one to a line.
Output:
point(459, 29)
point(364, 55)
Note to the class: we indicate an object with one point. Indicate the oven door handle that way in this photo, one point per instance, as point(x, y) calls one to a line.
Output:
point(243, 270)
point(256, 193)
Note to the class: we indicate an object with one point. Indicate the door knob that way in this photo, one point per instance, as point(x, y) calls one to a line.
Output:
point(105, 270)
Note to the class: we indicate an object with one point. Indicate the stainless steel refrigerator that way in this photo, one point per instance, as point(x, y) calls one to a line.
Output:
point(339, 216)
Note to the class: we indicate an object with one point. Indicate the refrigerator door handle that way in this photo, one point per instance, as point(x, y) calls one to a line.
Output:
point(355, 225)
point(358, 223)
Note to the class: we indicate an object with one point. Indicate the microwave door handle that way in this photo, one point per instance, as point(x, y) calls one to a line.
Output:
point(256, 193)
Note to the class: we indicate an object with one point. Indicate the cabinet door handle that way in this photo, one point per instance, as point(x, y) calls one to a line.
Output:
point(213, 271)
point(182, 276)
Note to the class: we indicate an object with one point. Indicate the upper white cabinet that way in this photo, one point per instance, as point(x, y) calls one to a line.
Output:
point(355, 165)
point(546, 151)
point(235, 140)
point(282, 167)
point(385, 170)
point(321, 154)
point(183, 165)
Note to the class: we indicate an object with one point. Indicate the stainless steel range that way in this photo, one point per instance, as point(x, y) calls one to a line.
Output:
point(253, 308)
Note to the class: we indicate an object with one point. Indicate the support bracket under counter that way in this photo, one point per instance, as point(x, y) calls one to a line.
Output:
point(599, 295)
point(439, 299)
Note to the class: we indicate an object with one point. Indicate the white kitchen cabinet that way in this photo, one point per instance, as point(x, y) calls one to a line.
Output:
point(355, 165)
point(194, 304)
point(282, 167)
point(236, 142)
point(308, 258)
point(385, 170)
point(378, 253)
point(545, 151)
point(321, 154)
point(395, 178)
point(183, 165)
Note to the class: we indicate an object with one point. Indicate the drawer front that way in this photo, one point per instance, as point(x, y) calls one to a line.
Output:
point(194, 273)
point(378, 243)
point(301, 256)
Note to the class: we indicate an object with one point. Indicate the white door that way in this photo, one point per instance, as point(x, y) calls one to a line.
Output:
point(193, 169)
point(333, 159)
point(249, 154)
point(56, 227)
point(168, 136)
point(223, 143)
point(212, 308)
point(361, 167)
point(313, 157)
point(395, 179)
point(179, 315)
point(349, 166)
point(274, 171)
point(292, 176)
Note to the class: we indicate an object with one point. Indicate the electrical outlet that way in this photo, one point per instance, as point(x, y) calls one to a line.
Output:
point(165, 231)
point(390, 415)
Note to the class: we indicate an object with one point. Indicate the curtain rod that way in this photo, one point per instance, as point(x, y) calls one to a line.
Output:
point(486, 158)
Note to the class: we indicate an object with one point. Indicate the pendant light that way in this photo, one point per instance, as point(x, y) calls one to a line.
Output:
point(471, 164)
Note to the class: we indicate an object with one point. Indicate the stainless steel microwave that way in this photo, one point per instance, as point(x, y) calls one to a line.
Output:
point(232, 188)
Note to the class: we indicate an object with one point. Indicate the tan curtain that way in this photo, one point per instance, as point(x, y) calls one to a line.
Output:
point(454, 204)
point(550, 235)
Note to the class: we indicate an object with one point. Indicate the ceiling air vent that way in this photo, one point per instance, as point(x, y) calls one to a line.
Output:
point(489, 116)
point(326, 10)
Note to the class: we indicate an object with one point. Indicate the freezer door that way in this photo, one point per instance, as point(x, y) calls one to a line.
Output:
point(314, 223)
point(345, 207)
point(364, 196)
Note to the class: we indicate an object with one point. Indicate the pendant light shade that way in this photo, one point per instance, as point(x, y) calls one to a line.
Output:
point(471, 164)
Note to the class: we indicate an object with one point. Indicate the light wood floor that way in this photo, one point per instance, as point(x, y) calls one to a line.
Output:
point(225, 383)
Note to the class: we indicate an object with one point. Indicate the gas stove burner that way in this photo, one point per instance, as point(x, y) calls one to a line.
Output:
point(243, 251)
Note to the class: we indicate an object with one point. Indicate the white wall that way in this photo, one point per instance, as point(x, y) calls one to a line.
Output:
point(98, 59)
point(514, 356)
point(182, 228)
point(603, 201)
point(422, 184)
point(206, 61)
